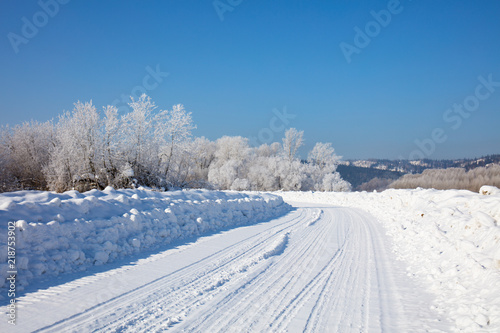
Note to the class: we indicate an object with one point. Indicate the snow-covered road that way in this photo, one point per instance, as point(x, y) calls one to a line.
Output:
point(317, 269)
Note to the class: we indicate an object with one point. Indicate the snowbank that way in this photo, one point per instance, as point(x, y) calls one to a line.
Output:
point(450, 239)
point(58, 233)
point(489, 190)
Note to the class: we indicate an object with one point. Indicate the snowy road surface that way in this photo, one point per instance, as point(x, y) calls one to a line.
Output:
point(317, 269)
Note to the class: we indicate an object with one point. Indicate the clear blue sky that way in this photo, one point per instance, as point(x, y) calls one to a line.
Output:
point(267, 55)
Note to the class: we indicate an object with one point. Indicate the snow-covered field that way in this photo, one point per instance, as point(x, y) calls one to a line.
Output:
point(250, 263)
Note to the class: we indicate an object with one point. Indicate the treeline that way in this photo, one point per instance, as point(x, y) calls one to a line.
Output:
point(452, 178)
point(91, 149)
point(367, 179)
point(375, 184)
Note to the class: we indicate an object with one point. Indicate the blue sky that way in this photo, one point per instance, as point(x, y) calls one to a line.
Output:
point(235, 75)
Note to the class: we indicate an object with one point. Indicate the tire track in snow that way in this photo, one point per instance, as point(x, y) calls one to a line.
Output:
point(238, 289)
point(319, 269)
point(337, 297)
point(328, 296)
point(180, 290)
point(266, 288)
point(223, 275)
point(322, 283)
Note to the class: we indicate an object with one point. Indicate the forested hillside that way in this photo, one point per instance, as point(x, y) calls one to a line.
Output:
point(375, 174)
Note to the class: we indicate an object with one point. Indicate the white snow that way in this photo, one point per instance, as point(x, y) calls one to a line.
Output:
point(489, 190)
point(450, 239)
point(316, 269)
point(328, 265)
point(71, 231)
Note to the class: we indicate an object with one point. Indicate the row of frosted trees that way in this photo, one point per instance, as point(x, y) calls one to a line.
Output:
point(90, 148)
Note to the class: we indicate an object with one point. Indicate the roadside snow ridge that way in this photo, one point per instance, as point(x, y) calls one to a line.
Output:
point(71, 231)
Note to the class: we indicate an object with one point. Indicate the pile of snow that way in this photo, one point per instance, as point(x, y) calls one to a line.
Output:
point(450, 239)
point(58, 233)
point(489, 190)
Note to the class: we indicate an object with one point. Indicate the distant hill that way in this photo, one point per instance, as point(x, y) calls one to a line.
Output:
point(381, 171)
point(360, 175)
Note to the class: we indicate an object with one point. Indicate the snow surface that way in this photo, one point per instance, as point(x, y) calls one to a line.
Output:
point(328, 265)
point(489, 190)
point(319, 268)
point(450, 239)
point(71, 231)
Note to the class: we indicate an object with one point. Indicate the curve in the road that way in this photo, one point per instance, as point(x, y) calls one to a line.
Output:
point(317, 269)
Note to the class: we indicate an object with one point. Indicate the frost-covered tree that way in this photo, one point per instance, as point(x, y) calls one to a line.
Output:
point(292, 175)
point(230, 162)
point(323, 163)
point(110, 152)
point(203, 155)
point(76, 158)
point(240, 185)
point(140, 148)
point(261, 177)
point(223, 175)
point(173, 132)
point(7, 182)
point(292, 141)
point(117, 171)
point(332, 182)
point(24, 152)
point(88, 149)
point(232, 148)
point(265, 150)
point(143, 147)
point(323, 155)
point(260, 171)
